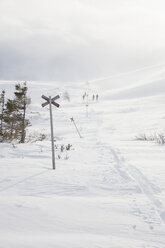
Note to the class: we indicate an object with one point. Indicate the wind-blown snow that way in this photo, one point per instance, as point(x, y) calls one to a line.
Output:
point(107, 192)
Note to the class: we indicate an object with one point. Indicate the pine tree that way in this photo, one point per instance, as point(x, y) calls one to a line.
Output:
point(11, 119)
point(14, 115)
point(2, 105)
point(21, 101)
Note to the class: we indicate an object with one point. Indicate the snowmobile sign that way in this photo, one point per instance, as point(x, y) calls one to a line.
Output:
point(51, 101)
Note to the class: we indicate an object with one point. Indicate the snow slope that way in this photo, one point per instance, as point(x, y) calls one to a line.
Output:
point(138, 90)
point(107, 192)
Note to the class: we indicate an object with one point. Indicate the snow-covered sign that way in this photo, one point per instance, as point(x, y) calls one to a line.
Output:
point(51, 101)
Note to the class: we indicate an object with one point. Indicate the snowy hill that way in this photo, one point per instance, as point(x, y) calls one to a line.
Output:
point(108, 191)
point(138, 90)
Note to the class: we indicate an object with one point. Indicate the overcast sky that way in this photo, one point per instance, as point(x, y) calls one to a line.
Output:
point(78, 40)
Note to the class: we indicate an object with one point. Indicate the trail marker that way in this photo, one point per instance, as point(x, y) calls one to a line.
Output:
point(72, 120)
point(51, 101)
point(87, 109)
point(87, 105)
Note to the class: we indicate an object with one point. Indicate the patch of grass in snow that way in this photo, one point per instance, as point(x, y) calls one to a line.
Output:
point(156, 137)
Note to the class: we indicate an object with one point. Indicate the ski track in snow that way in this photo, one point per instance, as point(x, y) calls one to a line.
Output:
point(148, 188)
point(141, 184)
point(129, 172)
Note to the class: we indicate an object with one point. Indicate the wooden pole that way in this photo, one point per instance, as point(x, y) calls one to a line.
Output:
point(52, 135)
point(76, 127)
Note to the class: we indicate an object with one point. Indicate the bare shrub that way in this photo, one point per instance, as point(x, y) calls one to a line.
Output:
point(62, 148)
point(68, 147)
point(141, 137)
point(160, 138)
point(62, 151)
point(42, 137)
point(157, 137)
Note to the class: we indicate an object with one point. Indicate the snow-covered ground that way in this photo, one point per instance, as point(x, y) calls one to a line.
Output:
point(108, 191)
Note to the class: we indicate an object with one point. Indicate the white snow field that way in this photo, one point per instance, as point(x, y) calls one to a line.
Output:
point(108, 191)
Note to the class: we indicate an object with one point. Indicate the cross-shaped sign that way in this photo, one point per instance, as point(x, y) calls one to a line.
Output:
point(51, 101)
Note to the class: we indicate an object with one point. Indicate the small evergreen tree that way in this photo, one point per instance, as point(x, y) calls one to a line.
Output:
point(21, 101)
point(11, 119)
point(2, 105)
point(14, 115)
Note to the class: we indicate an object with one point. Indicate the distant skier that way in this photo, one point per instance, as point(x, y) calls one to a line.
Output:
point(84, 96)
point(93, 97)
point(97, 97)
